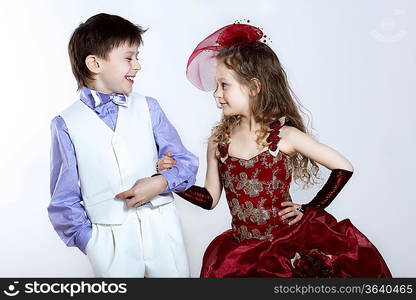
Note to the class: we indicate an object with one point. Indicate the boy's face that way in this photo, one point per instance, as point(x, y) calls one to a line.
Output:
point(118, 70)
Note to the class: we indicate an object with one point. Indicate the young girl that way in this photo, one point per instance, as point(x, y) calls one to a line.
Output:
point(253, 153)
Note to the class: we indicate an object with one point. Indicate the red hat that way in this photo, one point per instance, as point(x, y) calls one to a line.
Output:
point(201, 66)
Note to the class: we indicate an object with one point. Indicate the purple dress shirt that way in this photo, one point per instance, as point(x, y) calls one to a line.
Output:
point(65, 211)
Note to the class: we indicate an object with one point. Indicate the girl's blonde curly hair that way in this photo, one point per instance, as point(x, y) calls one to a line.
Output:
point(274, 100)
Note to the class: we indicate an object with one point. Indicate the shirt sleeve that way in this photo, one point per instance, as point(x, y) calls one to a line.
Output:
point(183, 175)
point(65, 210)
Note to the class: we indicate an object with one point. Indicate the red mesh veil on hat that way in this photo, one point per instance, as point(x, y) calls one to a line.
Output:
point(201, 66)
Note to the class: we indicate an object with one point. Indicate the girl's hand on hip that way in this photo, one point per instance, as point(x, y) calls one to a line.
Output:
point(290, 215)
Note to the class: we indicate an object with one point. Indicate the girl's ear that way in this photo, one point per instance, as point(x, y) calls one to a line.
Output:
point(255, 87)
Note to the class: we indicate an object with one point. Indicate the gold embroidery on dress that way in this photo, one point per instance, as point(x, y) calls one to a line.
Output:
point(251, 187)
point(288, 168)
point(258, 216)
point(276, 181)
point(268, 186)
point(237, 210)
point(228, 181)
point(268, 233)
point(242, 233)
point(265, 163)
point(275, 210)
point(248, 163)
point(257, 235)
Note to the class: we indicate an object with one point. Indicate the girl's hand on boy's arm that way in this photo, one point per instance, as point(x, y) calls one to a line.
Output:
point(144, 190)
point(165, 163)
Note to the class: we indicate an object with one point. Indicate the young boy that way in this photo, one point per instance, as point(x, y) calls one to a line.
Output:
point(104, 151)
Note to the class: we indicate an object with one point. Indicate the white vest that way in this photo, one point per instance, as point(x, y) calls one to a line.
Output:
point(111, 162)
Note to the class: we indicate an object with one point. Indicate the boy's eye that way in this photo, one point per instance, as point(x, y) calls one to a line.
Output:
point(223, 84)
point(128, 58)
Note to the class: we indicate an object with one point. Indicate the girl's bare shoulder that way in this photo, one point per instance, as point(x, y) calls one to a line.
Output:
point(292, 134)
point(288, 131)
point(289, 137)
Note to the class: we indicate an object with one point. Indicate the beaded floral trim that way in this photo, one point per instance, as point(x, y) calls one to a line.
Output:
point(275, 136)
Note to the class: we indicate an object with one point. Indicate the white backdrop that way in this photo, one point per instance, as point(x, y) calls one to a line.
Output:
point(352, 64)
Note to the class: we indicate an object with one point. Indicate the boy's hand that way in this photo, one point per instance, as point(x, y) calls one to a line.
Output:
point(165, 163)
point(144, 190)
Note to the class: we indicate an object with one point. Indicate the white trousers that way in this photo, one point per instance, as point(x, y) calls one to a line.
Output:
point(148, 244)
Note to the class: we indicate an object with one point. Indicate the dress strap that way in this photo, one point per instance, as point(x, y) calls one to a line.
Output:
point(278, 123)
point(222, 151)
point(274, 136)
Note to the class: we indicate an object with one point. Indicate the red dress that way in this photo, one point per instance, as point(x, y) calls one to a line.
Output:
point(261, 245)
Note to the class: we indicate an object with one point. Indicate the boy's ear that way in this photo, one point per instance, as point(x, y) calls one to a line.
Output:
point(255, 87)
point(93, 64)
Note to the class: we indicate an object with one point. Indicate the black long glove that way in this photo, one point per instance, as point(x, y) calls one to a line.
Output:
point(198, 196)
point(330, 190)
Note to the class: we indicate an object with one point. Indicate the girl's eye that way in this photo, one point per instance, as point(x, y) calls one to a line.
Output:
point(223, 84)
point(128, 58)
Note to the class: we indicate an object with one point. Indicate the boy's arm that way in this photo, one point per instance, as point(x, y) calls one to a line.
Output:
point(183, 175)
point(65, 211)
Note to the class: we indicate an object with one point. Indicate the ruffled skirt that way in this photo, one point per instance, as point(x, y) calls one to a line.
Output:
point(318, 246)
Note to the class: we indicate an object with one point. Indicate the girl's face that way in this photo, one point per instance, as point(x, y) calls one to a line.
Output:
point(232, 96)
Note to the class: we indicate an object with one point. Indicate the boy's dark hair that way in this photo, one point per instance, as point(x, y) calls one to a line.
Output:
point(98, 36)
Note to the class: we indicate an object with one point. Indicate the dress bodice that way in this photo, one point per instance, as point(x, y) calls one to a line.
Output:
point(256, 187)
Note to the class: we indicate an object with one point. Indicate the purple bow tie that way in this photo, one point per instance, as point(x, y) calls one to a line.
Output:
point(118, 99)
